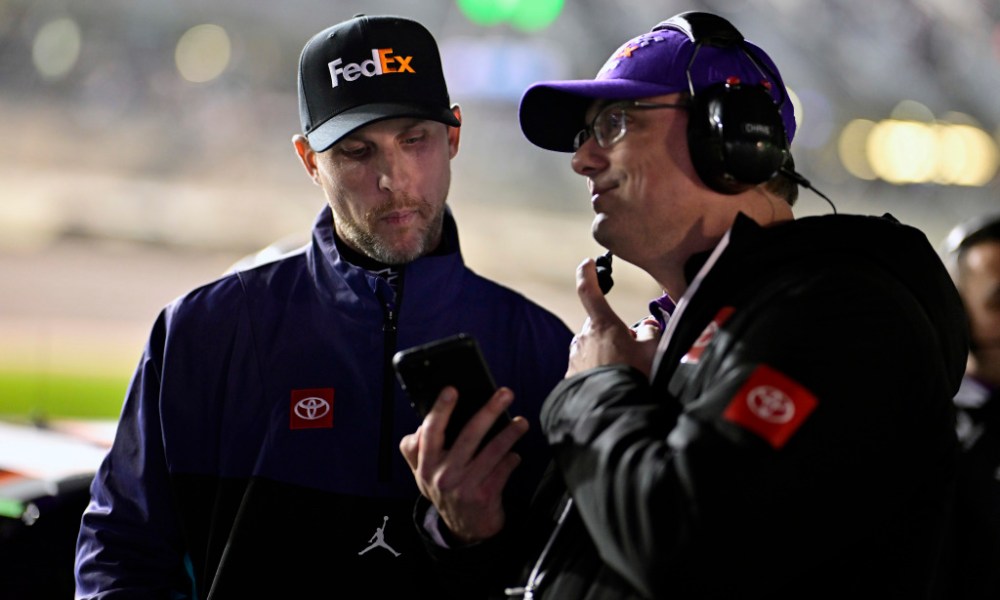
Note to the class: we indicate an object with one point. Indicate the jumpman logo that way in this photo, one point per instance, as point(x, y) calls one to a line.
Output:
point(379, 539)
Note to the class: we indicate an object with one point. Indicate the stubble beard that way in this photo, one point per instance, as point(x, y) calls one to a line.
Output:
point(363, 236)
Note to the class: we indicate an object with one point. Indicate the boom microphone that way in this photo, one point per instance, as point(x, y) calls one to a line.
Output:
point(604, 280)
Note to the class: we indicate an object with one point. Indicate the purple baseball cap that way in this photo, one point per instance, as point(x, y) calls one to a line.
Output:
point(651, 64)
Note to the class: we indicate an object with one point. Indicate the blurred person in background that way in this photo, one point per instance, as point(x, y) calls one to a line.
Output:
point(789, 434)
point(257, 451)
point(972, 253)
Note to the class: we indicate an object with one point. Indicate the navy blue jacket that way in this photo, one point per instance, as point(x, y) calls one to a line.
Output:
point(257, 452)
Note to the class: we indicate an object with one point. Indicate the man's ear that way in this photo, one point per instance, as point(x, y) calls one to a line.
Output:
point(307, 156)
point(454, 133)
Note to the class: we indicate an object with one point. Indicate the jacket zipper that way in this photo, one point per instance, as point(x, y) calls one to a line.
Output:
point(538, 572)
point(387, 446)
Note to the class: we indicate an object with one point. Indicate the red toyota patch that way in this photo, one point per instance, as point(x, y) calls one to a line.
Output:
point(311, 409)
point(694, 353)
point(771, 405)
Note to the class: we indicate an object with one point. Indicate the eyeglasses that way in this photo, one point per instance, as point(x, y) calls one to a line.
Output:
point(611, 124)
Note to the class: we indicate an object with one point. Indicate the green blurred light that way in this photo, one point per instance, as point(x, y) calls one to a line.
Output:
point(529, 15)
point(532, 15)
point(11, 508)
point(487, 12)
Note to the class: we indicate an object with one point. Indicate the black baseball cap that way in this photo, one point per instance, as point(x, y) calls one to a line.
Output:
point(366, 69)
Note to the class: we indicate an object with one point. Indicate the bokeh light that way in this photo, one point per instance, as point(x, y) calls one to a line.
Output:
point(56, 48)
point(912, 147)
point(534, 15)
point(902, 151)
point(527, 15)
point(911, 110)
point(968, 156)
point(852, 151)
point(203, 53)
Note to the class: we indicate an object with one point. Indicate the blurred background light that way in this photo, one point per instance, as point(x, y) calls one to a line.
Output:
point(526, 15)
point(203, 53)
point(852, 148)
point(56, 48)
point(902, 151)
point(911, 110)
point(534, 15)
point(912, 147)
point(967, 156)
point(487, 12)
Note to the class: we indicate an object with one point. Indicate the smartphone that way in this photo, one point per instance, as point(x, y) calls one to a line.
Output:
point(423, 371)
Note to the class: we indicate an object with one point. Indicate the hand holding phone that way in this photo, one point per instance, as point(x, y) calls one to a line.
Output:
point(425, 370)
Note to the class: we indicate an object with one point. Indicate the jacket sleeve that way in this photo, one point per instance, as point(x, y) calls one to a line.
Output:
point(129, 544)
point(673, 494)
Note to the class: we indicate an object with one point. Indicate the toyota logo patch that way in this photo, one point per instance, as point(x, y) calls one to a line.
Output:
point(311, 409)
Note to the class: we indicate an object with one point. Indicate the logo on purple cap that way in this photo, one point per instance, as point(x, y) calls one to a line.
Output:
point(626, 52)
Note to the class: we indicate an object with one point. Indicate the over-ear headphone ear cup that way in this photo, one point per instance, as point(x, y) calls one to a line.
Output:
point(735, 136)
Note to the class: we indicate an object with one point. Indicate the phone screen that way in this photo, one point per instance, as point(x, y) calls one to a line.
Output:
point(423, 371)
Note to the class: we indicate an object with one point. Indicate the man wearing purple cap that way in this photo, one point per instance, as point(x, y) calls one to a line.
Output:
point(257, 451)
point(781, 426)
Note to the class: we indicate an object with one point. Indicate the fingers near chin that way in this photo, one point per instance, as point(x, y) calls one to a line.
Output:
point(584, 273)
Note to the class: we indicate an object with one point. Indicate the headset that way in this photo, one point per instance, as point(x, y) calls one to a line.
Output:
point(735, 132)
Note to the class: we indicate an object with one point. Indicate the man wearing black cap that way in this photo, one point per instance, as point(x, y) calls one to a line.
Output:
point(781, 427)
point(257, 451)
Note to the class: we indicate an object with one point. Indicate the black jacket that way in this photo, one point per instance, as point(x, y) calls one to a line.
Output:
point(977, 536)
point(796, 440)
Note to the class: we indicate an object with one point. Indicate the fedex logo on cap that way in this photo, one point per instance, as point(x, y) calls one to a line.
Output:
point(382, 62)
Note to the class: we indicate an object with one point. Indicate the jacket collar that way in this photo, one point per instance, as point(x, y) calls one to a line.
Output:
point(429, 282)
